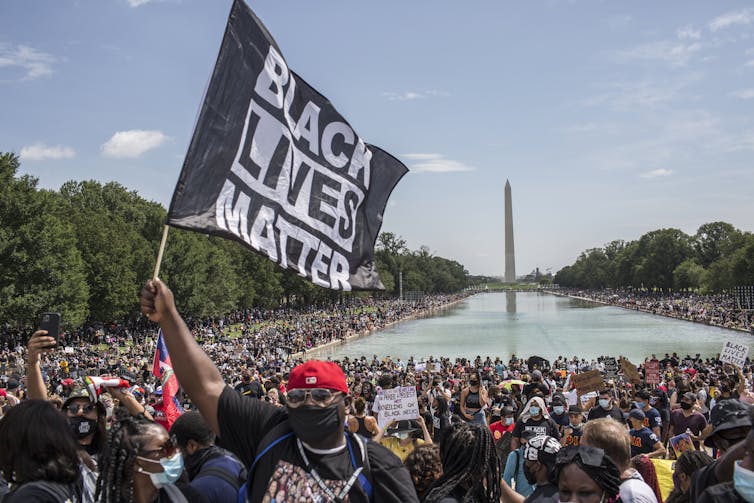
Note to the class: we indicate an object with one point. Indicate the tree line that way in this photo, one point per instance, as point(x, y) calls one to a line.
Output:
point(717, 258)
point(85, 251)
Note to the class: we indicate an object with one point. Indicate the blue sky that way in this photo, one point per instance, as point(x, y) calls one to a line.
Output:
point(610, 119)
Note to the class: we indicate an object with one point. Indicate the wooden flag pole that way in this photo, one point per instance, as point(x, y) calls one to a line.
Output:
point(159, 253)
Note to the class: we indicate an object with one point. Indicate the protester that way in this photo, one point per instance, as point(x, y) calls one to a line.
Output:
point(685, 467)
point(605, 407)
point(540, 457)
point(471, 470)
point(643, 440)
point(687, 420)
point(212, 471)
point(534, 418)
point(399, 436)
point(587, 475)
point(315, 411)
point(572, 432)
point(425, 467)
point(39, 462)
point(360, 423)
point(612, 437)
point(474, 400)
point(731, 421)
point(142, 465)
point(513, 473)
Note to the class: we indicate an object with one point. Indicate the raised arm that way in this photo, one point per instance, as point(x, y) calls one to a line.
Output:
point(39, 343)
point(195, 371)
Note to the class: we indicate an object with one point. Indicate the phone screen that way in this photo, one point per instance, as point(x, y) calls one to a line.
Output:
point(51, 323)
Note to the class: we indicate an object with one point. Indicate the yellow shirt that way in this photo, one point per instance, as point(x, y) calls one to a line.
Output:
point(402, 451)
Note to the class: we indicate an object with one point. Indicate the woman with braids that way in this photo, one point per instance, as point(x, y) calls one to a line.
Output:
point(471, 469)
point(40, 464)
point(685, 466)
point(141, 464)
point(587, 475)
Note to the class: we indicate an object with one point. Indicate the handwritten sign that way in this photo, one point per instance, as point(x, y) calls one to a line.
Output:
point(587, 381)
point(629, 371)
point(734, 353)
point(652, 372)
point(435, 367)
point(398, 403)
point(420, 367)
point(611, 368)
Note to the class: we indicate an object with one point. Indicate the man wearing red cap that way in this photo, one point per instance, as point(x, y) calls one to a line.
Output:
point(300, 451)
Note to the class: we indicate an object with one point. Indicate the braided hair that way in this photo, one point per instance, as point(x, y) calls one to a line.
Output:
point(124, 441)
point(469, 463)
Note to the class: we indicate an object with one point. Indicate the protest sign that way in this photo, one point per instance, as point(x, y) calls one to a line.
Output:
point(420, 367)
point(611, 368)
point(652, 372)
point(734, 353)
point(587, 381)
point(629, 371)
point(435, 367)
point(275, 167)
point(398, 403)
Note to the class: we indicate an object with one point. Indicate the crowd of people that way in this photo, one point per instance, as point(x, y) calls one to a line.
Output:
point(720, 310)
point(263, 423)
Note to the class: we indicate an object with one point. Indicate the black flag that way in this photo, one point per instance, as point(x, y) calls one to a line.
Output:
point(274, 166)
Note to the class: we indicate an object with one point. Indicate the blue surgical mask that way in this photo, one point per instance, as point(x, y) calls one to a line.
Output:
point(508, 421)
point(604, 403)
point(743, 481)
point(640, 405)
point(173, 468)
point(534, 410)
point(558, 409)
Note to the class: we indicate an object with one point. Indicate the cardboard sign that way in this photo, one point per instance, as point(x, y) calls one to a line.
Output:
point(587, 381)
point(652, 372)
point(734, 353)
point(629, 371)
point(398, 403)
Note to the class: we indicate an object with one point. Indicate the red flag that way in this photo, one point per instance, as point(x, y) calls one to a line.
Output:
point(162, 368)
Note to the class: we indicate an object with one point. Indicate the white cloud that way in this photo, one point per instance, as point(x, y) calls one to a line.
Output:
point(34, 63)
point(675, 53)
point(743, 16)
point(132, 144)
point(688, 33)
point(744, 94)
point(42, 152)
point(657, 173)
point(137, 3)
point(413, 95)
point(435, 163)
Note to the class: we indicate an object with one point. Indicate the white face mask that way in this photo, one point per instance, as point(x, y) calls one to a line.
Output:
point(403, 435)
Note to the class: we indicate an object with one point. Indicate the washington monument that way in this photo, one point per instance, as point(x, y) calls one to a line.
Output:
point(510, 257)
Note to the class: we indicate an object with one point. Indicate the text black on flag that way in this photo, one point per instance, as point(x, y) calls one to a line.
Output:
point(273, 165)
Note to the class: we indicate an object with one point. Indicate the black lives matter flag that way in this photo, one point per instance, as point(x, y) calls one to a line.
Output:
point(273, 165)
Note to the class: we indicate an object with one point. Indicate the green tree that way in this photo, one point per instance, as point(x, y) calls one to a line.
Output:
point(688, 275)
point(715, 240)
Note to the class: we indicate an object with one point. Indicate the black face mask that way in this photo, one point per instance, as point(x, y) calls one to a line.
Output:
point(313, 423)
point(474, 382)
point(81, 427)
point(686, 406)
point(193, 462)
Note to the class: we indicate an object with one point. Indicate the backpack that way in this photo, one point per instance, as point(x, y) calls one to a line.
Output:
point(282, 431)
point(235, 480)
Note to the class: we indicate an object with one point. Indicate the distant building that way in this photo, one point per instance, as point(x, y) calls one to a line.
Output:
point(510, 257)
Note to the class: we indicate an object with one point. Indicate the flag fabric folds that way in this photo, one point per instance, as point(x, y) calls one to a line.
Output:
point(162, 369)
point(274, 166)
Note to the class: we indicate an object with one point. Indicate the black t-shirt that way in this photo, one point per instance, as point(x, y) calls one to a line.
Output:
point(543, 426)
point(252, 389)
point(280, 474)
point(598, 412)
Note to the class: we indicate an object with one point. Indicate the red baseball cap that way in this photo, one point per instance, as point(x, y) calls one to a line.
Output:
point(318, 374)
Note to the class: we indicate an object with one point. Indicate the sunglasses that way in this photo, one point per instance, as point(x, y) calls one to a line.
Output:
point(590, 456)
point(74, 408)
point(166, 450)
point(320, 396)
